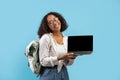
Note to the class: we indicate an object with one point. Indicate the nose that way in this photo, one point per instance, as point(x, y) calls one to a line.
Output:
point(54, 25)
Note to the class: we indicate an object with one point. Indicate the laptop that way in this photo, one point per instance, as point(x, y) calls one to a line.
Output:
point(80, 45)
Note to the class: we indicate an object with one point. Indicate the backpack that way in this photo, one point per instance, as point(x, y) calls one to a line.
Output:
point(32, 53)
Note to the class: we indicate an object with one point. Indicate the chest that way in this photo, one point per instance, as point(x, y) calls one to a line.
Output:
point(59, 40)
point(59, 46)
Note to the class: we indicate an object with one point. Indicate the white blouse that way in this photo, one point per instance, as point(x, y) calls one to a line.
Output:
point(50, 50)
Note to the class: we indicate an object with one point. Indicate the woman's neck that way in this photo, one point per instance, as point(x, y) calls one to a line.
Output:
point(59, 34)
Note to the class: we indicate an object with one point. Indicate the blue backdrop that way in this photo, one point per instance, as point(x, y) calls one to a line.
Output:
point(19, 22)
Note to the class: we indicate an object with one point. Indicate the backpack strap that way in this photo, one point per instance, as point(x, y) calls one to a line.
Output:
point(50, 41)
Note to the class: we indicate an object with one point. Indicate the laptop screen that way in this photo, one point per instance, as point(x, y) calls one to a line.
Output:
point(83, 43)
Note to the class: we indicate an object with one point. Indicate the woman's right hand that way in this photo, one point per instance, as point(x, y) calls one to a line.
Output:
point(67, 56)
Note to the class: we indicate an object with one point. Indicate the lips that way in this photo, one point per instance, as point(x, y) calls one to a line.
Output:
point(56, 26)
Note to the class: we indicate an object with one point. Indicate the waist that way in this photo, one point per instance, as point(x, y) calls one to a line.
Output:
point(53, 67)
point(49, 67)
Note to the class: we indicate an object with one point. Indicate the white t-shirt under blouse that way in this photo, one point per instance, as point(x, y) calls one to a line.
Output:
point(50, 50)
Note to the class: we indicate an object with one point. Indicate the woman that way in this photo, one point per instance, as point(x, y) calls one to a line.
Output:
point(53, 48)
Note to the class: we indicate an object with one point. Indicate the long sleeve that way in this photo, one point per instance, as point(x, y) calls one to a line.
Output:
point(47, 57)
point(50, 50)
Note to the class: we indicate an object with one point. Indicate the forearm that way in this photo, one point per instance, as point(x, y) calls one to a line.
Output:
point(49, 61)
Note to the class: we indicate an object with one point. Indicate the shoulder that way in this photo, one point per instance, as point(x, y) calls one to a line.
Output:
point(45, 37)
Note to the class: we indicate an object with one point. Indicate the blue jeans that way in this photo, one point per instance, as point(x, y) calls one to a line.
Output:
point(52, 74)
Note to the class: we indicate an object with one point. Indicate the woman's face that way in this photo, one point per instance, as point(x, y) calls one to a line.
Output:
point(54, 23)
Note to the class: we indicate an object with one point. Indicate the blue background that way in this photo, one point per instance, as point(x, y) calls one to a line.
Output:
point(19, 22)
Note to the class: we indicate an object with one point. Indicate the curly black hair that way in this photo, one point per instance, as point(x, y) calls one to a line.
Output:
point(44, 24)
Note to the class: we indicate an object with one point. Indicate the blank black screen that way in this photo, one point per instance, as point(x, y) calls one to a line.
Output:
point(80, 43)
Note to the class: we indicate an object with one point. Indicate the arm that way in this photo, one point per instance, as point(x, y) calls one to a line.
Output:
point(68, 58)
point(45, 58)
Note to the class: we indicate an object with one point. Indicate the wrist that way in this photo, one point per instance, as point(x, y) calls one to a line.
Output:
point(60, 58)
